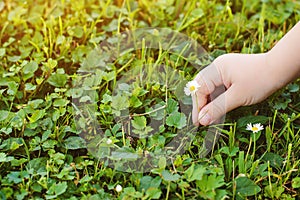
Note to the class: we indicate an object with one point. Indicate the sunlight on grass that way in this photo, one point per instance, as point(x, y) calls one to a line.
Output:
point(47, 47)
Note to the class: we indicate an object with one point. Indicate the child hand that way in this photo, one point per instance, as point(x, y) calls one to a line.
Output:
point(247, 81)
point(248, 78)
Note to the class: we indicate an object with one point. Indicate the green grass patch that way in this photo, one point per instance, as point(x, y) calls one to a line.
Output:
point(54, 54)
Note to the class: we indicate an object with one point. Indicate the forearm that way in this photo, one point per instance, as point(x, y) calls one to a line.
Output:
point(284, 57)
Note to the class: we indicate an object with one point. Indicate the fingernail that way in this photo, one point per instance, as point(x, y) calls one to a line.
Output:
point(204, 118)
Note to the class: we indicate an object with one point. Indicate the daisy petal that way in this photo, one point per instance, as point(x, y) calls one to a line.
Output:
point(191, 88)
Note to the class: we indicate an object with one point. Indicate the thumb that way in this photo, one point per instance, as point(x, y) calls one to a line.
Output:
point(224, 103)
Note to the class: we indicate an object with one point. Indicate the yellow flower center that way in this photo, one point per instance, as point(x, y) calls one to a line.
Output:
point(254, 128)
point(192, 88)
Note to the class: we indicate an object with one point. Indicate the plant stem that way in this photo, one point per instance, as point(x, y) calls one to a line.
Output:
point(168, 190)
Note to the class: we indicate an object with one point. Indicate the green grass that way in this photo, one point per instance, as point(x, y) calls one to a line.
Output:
point(43, 153)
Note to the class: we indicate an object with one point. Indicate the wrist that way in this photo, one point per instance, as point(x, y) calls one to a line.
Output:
point(281, 69)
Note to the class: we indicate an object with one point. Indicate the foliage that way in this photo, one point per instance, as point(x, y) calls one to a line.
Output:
point(43, 155)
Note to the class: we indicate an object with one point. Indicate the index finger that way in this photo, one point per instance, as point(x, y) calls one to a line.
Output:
point(209, 78)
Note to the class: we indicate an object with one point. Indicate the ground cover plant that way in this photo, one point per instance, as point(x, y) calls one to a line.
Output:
point(62, 73)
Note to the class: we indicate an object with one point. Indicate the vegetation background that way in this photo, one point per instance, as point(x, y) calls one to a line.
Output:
point(42, 156)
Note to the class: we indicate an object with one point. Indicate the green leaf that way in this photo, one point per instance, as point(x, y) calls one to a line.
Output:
point(210, 182)
point(29, 132)
point(74, 142)
point(36, 187)
point(56, 189)
point(46, 135)
point(14, 177)
point(16, 13)
point(12, 88)
point(85, 179)
point(119, 102)
point(49, 144)
point(153, 193)
point(296, 182)
point(246, 187)
point(18, 162)
point(94, 59)
point(221, 194)
point(255, 136)
point(36, 115)
point(50, 64)
point(3, 115)
point(159, 114)
point(109, 76)
point(132, 193)
point(167, 176)
point(293, 87)
point(124, 153)
point(35, 103)
point(228, 151)
point(12, 143)
point(177, 120)
point(147, 182)
point(57, 80)
point(172, 106)
point(124, 87)
point(4, 158)
point(5, 130)
point(194, 172)
point(60, 102)
point(274, 159)
point(2, 52)
point(155, 182)
point(37, 165)
point(135, 102)
point(93, 80)
point(76, 31)
point(106, 99)
point(18, 176)
point(280, 13)
point(139, 122)
point(14, 58)
point(30, 68)
point(23, 193)
point(282, 103)
point(197, 13)
point(273, 190)
point(30, 87)
point(9, 42)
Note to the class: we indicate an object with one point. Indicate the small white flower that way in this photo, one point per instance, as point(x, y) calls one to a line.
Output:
point(119, 188)
point(191, 88)
point(108, 141)
point(255, 128)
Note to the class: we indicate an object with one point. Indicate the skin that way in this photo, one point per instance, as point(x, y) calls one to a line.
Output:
point(248, 78)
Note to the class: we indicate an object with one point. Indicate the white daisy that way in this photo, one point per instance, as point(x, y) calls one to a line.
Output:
point(119, 188)
point(108, 141)
point(191, 88)
point(255, 128)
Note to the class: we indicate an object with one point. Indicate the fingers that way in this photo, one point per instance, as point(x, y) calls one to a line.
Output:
point(209, 78)
point(198, 103)
point(224, 103)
